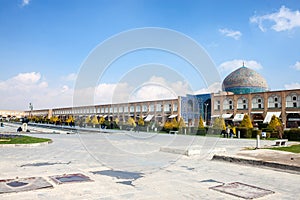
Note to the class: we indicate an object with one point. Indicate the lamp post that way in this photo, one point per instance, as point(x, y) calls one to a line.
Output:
point(205, 113)
point(31, 108)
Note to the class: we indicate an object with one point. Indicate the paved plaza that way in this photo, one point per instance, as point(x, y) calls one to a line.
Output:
point(130, 165)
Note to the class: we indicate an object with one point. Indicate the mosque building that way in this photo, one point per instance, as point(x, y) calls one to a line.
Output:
point(244, 92)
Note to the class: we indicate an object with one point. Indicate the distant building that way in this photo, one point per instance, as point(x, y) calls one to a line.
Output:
point(11, 114)
point(245, 92)
point(190, 108)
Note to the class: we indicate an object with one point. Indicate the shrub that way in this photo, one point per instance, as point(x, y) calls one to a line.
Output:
point(167, 126)
point(201, 124)
point(245, 132)
point(255, 133)
point(219, 123)
point(201, 131)
point(275, 121)
point(131, 122)
point(274, 134)
point(246, 123)
point(214, 131)
point(181, 123)
point(292, 134)
point(175, 124)
point(141, 122)
point(262, 126)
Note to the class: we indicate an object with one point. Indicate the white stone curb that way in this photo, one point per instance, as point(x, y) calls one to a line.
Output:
point(26, 145)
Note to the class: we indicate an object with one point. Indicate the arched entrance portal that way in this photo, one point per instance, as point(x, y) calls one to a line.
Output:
point(293, 120)
point(257, 119)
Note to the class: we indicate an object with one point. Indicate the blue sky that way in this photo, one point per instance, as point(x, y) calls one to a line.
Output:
point(44, 43)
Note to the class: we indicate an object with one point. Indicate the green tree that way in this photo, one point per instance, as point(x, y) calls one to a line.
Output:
point(54, 119)
point(175, 124)
point(276, 125)
point(168, 126)
point(131, 122)
point(87, 120)
point(101, 120)
point(141, 122)
point(117, 120)
point(70, 119)
point(181, 123)
point(94, 121)
point(201, 124)
point(246, 123)
point(219, 123)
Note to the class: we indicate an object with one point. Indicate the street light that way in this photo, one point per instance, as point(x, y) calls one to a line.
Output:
point(205, 113)
point(31, 108)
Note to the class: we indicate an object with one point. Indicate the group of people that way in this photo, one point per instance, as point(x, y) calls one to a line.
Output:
point(227, 133)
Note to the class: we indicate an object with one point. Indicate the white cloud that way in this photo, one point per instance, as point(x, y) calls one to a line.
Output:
point(231, 33)
point(25, 3)
point(69, 77)
point(292, 86)
point(155, 88)
point(296, 66)
point(43, 84)
point(160, 90)
point(64, 88)
point(29, 78)
point(214, 88)
point(231, 65)
point(283, 20)
point(112, 93)
point(16, 92)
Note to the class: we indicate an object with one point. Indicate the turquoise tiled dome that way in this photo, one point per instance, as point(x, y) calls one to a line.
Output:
point(243, 81)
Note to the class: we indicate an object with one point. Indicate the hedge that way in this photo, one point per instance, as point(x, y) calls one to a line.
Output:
point(255, 133)
point(245, 132)
point(201, 131)
point(213, 131)
point(292, 134)
point(272, 133)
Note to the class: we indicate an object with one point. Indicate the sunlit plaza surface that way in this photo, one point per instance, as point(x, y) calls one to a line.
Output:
point(131, 165)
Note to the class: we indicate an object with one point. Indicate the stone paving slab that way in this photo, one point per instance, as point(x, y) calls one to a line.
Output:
point(23, 184)
point(242, 190)
point(70, 178)
point(164, 175)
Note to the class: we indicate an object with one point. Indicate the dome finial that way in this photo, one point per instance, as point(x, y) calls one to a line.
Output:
point(243, 64)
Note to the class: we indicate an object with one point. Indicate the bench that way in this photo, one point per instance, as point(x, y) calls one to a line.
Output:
point(173, 132)
point(281, 142)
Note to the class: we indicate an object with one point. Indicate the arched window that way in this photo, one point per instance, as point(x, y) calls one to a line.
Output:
point(217, 105)
point(293, 101)
point(175, 107)
point(257, 102)
point(274, 101)
point(242, 103)
point(158, 107)
point(227, 104)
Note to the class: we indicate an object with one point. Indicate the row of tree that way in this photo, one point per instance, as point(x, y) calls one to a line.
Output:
point(173, 124)
point(219, 123)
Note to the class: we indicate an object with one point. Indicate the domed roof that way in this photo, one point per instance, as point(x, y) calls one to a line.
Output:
point(244, 80)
